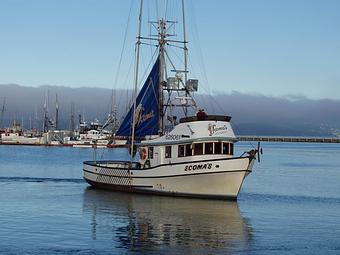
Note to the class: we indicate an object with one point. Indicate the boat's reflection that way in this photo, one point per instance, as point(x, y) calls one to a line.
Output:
point(143, 222)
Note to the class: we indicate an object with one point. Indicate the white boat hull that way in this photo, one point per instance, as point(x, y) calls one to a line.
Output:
point(220, 179)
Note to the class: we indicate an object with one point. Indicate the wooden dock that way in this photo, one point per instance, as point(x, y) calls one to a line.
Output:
point(294, 139)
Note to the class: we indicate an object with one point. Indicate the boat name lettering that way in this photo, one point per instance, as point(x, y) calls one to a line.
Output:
point(173, 137)
point(198, 167)
point(213, 129)
point(147, 116)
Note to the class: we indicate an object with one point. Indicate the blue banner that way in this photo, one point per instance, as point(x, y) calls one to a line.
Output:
point(147, 108)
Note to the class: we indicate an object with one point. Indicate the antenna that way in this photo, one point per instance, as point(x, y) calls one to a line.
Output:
point(185, 56)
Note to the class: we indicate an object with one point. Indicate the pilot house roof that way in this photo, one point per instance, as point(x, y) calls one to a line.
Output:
point(207, 117)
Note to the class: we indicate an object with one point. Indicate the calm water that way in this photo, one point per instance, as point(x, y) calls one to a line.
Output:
point(290, 204)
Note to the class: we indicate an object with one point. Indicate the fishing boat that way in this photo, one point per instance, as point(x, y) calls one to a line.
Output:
point(16, 135)
point(190, 156)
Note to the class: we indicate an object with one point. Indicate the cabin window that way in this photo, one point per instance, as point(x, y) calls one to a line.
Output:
point(181, 150)
point(198, 148)
point(225, 148)
point(231, 149)
point(209, 148)
point(168, 151)
point(188, 150)
point(218, 148)
point(151, 152)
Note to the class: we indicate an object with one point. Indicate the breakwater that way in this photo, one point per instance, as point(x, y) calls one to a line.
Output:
point(290, 139)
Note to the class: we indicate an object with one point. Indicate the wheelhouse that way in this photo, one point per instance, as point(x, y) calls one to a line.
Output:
point(187, 151)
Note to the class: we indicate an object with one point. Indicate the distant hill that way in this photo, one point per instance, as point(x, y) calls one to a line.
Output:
point(252, 114)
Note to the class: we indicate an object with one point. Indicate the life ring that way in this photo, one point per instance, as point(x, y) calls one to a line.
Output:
point(143, 153)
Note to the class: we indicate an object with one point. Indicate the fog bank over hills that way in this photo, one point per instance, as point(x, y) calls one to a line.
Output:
point(252, 114)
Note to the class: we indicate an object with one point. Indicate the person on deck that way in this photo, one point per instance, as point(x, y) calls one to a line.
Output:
point(201, 114)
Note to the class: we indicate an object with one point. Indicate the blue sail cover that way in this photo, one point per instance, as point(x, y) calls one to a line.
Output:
point(147, 108)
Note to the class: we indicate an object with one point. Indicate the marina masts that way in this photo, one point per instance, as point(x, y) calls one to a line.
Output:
point(56, 112)
point(72, 120)
point(2, 113)
point(45, 123)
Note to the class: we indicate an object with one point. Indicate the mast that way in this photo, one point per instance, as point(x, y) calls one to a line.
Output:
point(136, 78)
point(36, 119)
point(45, 124)
point(2, 113)
point(72, 123)
point(114, 113)
point(162, 41)
point(185, 55)
point(56, 112)
point(172, 90)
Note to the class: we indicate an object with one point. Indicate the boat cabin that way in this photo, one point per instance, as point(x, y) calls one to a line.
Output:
point(193, 139)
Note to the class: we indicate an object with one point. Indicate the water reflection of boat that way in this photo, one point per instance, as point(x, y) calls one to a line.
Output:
point(150, 223)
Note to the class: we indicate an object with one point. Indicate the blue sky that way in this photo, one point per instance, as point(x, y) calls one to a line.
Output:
point(269, 47)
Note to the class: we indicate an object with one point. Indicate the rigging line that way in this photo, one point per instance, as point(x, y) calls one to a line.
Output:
point(163, 8)
point(172, 64)
point(146, 90)
point(202, 96)
point(125, 83)
point(178, 58)
point(157, 11)
point(143, 67)
point(144, 75)
point(146, 65)
point(150, 44)
point(200, 53)
point(146, 80)
point(166, 9)
point(146, 71)
point(168, 101)
point(199, 48)
point(123, 46)
point(171, 13)
point(149, 27)
point(201, 63)
point(175, 46)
